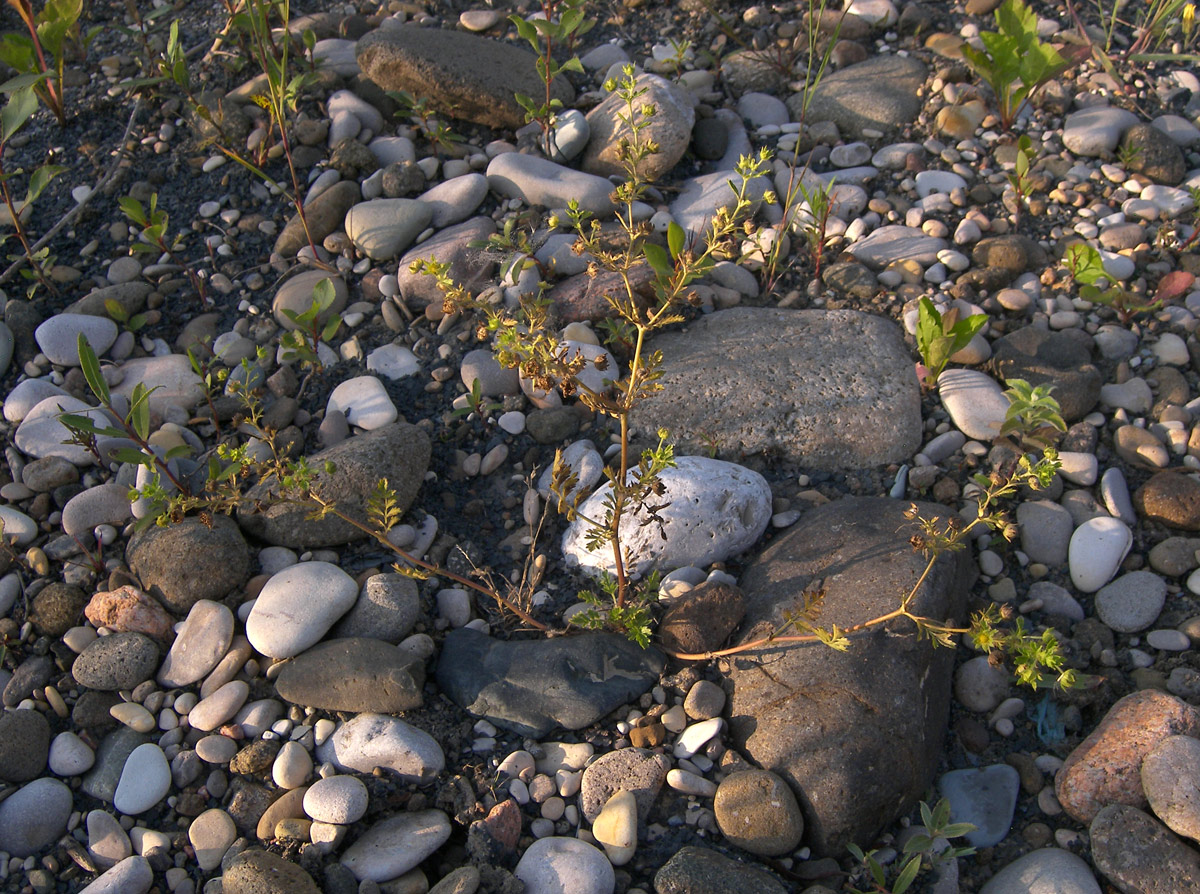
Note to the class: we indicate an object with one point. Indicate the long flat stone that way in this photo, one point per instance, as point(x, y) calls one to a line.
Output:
point(826, 390)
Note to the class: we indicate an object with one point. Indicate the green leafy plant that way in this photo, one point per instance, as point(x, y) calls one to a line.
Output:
point(1150, 25)
point(524, 341)
point(941, 336)
point(51, 31)
point(1014, 62)
point(313, 326)
point(562, 23)
point(921, 853)
point(1020, 179)
point(419, 113)
point(18, 109)
point(1033, 416)
point(1086, 266)
point(155, 232)
point(476, 403)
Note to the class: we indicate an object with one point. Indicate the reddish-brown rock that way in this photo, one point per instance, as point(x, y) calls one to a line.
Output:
point(1171, 498)
point(129, 610)
point(1105, 768)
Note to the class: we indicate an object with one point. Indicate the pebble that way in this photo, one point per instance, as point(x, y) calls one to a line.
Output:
point(145, 780)
point(211, 834)
point(757, 811)
point(34, 816)
point(133, 875)
point(336, 799)
point(1097, 549)
point(297, 606)
point(200, 644)
point(985, 797)
point(616, 827)
point(1132, 602)
point(393, 846)
point(364, 402)
point(553, 865)
point(1047, 870)
point(974, 401)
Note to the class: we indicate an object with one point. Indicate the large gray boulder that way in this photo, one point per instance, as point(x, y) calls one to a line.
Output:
point(464, 75)
point(827, 390)
point(878, 94)
point(858, 733)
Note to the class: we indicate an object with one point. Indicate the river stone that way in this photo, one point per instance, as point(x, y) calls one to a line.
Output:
point(857, 734)
point(323, 214)
point(1105, 768)
point(34, 816)
point(826, 390)
point(296, 295)
point(699, 870)
point(470, 267)
point(714, 510)
point(635, 770)
point(58, 337)
point(24, 745)
point(533, 686)
point(42, 434)
point(297, 606)
point(386, 609)
point(172, 382)
point(878, 94)
point(1139, 855)
point(382, 228)
point(538, 181)
point(133, 875)
point(1171, 780)
point(56, 608)
point(465, 75)
point(756, 811)
point(670, 129)
point(398, 452)
point(118, 661)
point(258, 872)
point(558, 865)
point(353, 675)
point(376, 740)
point(1048, 870)
point(1042, 357)
point(396, 844)
point(201, 643)
point(188, 561)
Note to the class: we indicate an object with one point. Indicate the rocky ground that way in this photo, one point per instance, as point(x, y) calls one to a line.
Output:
point(260, 703)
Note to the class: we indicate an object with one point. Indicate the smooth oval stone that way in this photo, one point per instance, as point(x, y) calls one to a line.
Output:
point(395, 845)
point(538, 181)
point(974, 401)
point(616, 827)
point(364, 402)
point(70, 755)
point(133, 875)
point(984, 797)
point(382, 228)
point(1048, 870)
point(58, 337)
point(200, 644)
point(336, 799)
point(553, 865)
point(297, 607)
point(216, 709)
point(34, 816)
point(353, 675)
point(1097, 549)
point(145, 780)
point(376, 740)
point(1132, 602)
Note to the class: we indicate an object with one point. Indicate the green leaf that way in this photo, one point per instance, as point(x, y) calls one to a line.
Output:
point(676, 238)
point(324, 293)
point(131, 455)
point(116, 310)
point(90, 365)
point(331, 328)
point(20, 107)
point(907, 875)
point(656, 257)
point(21, 81)
point(40, 179)
point(525, 30)
point(139, 411)
point(573, 64)
point(177, 451)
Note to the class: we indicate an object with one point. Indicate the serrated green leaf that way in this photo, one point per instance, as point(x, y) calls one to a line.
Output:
point(89, 363)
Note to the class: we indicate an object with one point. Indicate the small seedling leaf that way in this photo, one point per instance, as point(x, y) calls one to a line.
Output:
point(40, 179)
point(676, 238)
point(907, 875)
point(139, 411)
point(20, 107)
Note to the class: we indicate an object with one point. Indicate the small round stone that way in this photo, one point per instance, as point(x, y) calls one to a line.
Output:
point(757, 811)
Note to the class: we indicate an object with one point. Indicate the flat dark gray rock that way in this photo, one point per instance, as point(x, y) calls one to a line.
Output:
point(532, 686)
point(464, 75)
point(353, 675)
point(827, 390)
point(878, 94)
point(398, 452)
point(857, 734)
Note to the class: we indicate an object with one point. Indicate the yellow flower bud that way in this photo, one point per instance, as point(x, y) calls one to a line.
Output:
point(1189, 19)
